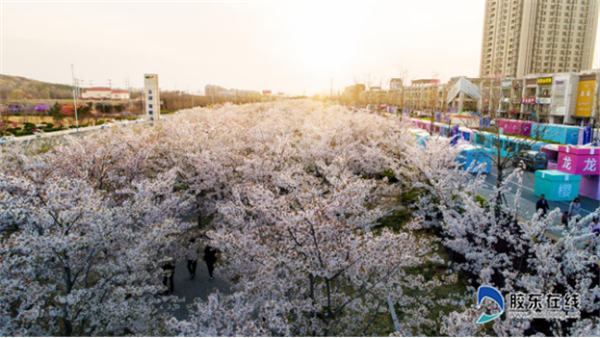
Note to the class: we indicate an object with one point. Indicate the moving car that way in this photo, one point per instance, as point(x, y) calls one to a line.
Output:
point(531, 160)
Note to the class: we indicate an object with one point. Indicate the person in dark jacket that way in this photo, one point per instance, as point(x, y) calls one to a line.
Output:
point(210, 257)
point(168, 267)
point(542, 204)
point(192, 257)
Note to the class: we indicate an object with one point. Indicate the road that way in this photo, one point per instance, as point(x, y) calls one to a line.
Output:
point(528, 199)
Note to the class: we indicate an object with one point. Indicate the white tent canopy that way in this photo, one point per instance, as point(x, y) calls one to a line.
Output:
point(463, 86)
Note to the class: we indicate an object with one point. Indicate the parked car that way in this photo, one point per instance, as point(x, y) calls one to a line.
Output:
point(371, 108)
point(531, 160)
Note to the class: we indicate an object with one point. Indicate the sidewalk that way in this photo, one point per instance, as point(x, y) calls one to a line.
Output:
point(200, 287)
point(527, 209)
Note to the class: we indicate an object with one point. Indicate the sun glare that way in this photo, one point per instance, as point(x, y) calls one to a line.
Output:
point(326, 38)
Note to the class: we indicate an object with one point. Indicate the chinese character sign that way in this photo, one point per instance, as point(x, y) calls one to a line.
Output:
point(579, 164)
point(544, 306)
point(564, 191)
point(566, 164)
point(585, 98)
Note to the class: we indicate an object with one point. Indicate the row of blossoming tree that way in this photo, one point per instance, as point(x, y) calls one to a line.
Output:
point(295, 195)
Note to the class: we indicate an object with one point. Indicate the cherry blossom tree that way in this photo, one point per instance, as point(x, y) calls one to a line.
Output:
point(75, 262)
point(294, 195)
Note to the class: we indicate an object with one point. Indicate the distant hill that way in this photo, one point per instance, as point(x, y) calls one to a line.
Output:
point(17, 88)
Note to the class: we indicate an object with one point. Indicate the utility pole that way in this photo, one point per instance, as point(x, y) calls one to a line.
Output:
point(331, 88)
point(75, 97)
point(128, 88)
point(109, 84)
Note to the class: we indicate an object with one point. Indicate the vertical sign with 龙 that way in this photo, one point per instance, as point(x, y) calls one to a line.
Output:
point(152, 97)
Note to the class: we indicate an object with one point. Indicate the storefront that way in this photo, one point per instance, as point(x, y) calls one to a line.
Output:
point(585, 98)
point(543, 99)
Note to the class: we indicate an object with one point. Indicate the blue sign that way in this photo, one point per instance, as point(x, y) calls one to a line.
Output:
point(587, 135)
point(454, 134)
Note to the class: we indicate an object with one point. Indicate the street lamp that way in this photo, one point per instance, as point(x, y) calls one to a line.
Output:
point(75, 98)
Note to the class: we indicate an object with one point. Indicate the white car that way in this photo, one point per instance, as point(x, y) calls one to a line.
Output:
point(106, 125)
point(371, 108)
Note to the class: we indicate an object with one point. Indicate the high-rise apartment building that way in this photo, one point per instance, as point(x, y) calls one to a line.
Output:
point(538, 36)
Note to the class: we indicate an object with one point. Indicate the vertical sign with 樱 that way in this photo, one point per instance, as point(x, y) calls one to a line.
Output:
point(152, 96)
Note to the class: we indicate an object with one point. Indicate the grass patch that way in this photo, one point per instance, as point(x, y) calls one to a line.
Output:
point(450, 288)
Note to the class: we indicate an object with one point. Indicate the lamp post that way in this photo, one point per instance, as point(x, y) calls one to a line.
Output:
point(75, 98)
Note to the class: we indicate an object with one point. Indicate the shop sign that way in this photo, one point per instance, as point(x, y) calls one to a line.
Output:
point(528, 100)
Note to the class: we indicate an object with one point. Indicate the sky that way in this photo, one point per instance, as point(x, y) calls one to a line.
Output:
point(291, 47)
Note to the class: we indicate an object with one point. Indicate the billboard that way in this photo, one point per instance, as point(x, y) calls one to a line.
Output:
point(585, 98)
point(544, 81)
point(266, 92)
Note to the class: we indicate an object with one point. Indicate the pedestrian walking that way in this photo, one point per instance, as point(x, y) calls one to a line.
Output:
point(168, 266)
point(575, 208)
point(192, 257)
point(543, 205)
point(210, 257)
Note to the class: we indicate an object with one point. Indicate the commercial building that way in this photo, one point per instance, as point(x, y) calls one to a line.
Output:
point(571, 98)
point(463, 94)
point(98, 93)
point(351, 94)
point(561, 98)
point(424, 95)
point(104, 93)
point(538, 36)
point(119, 95)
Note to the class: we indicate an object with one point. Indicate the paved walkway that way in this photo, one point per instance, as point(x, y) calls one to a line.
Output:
point(200, 287)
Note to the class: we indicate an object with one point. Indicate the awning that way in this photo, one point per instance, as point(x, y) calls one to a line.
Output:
point(464, 86)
